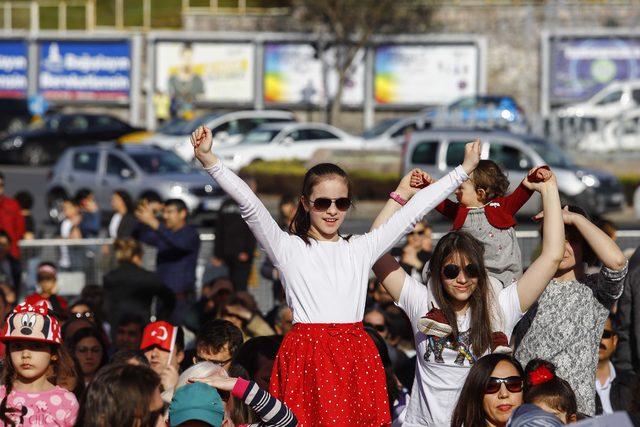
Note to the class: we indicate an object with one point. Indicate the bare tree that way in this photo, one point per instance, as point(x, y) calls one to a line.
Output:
point(350, 24)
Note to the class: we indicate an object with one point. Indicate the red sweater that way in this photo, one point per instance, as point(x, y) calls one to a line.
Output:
point(12, 221)
point(500, 211)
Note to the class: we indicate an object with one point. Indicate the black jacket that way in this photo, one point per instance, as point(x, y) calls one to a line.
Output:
point(130, 289)
point(621, 393)
point(628, 352)
point(233, 236)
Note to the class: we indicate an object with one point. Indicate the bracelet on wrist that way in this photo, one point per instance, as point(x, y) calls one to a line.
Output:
point(398, 198)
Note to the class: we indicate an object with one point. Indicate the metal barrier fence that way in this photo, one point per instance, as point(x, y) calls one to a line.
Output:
point(92, 258)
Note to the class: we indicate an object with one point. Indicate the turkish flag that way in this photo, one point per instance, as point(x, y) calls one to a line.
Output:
point(161, 334)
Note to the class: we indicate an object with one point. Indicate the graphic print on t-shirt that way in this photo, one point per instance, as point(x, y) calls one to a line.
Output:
point(436, 346)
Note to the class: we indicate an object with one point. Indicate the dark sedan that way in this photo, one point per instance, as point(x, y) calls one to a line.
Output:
point(42, 143)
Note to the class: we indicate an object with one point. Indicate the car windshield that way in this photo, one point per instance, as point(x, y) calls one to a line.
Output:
point(160, 162)
point(379, 128)
point(173, 126)
point(260, 136)
point(49, 123)
point(552, 155)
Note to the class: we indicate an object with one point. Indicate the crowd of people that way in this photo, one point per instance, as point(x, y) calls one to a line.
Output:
point(361, 333)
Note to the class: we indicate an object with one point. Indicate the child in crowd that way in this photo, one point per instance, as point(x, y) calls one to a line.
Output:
point(565, 327)
point(33, 340)
point(544, 388)
point(47, 278)
point(485, 211)
point(163, 346)
point(327, 370)
point(458, 289)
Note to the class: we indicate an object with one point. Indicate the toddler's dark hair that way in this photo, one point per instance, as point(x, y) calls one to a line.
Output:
point(490, 177)
point(542, 384)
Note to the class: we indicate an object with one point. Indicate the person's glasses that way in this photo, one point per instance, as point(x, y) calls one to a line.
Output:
point(451, 271)
point(379, 328)
point(220, 363)
point(416, 233)
point(323, 203)
point(513, 384)
point(84, 350)
point(606, 334)
point(85, 315)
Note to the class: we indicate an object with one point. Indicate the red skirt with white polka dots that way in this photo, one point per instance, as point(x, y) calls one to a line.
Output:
point(330, 374)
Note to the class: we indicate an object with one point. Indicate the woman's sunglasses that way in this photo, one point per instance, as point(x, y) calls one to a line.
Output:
point(322, 203)
point(379, 328)
point(606, 334)
point(451, 271)
point(513, 384)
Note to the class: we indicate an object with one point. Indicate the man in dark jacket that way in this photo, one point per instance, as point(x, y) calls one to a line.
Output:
point(628, 354)
point(614, 388)
point(178, 245)
point(234, 244)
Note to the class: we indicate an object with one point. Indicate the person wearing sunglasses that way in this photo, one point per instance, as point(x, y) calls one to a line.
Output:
point(464, 305)
point(492, 391)
point(327, 366)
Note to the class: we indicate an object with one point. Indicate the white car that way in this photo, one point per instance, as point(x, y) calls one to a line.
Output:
point(623, 133)
point(286, 141)
point(227, 129)
point(394, 132)
point(611, 101)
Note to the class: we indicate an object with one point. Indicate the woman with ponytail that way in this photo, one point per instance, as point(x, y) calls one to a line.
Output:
point(29, 394)
point(545, 389)
point(328, 370)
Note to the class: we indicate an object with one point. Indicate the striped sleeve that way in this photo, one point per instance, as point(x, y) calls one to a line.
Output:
point(271, 411)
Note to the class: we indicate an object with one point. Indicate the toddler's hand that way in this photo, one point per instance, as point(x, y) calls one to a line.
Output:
point(420, 179)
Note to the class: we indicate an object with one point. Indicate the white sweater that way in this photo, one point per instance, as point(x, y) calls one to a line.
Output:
point(326, 282)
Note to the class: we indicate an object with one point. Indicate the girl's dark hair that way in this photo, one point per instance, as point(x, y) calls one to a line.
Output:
point(572, 234)
point(120, 395)
point(555, 392)
point(393, 390)
point(126, 199)
point(126, 248)
point(86, 333)
point(59, 361)
point(469, 410)
point(466, 246)
point(68, 367)
point(301, 221)
point(239, 412)
point(490, 177)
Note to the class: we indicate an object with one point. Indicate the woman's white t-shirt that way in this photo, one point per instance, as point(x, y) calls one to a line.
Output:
point(441, 368)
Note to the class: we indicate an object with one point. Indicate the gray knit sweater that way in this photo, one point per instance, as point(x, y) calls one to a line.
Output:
point(565, 328)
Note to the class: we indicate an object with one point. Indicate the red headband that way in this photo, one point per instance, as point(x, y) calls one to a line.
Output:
point(540, 375)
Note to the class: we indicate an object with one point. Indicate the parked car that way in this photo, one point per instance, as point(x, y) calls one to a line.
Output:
point(227, 129)
point(14, 114)
point(286, 141)
point(437, 151)
point(137, 169)
point(493, 110)
point(42, 143)
point(621, 133)
point(609, 102)
point(395, 131)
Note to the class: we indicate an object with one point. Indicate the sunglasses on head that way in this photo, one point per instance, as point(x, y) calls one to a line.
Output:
point(513, 384)
point(324, 203)
point(606, 334)
point(451, 271)
point(379, 328)
point(85, 315)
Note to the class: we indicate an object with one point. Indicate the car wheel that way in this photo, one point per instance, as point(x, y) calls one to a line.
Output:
point(54, 205)
point(35, 155)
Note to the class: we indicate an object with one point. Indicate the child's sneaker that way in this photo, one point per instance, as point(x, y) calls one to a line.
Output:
point(435, 323)
point(500, 343)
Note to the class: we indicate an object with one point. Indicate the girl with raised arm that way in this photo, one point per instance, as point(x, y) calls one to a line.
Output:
point(463, 306)
point(328, 370)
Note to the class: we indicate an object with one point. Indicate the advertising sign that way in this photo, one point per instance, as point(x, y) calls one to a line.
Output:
point(205, 71)
point(93, 70)
point(13, 68)
point(425, 74)
point(581, 66)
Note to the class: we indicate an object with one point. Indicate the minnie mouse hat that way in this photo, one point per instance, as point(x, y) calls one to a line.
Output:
point(32, 322)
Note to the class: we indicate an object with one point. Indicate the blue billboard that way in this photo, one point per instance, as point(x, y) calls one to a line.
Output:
point(84, 70)
point(13, 68)
point(581, 66)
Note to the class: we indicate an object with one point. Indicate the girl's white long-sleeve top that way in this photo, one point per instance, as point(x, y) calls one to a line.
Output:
point(326, 282)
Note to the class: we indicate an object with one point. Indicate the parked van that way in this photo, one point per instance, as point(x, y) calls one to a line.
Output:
point(611, 101)
point(437, 151)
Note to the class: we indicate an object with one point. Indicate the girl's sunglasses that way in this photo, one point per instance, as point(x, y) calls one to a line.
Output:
point(322, 203)
point(513, 384)
point(451, 271)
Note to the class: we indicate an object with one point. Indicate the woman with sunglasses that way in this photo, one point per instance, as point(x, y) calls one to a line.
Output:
point(464, 306)
point(492, 391)
point(327, 369)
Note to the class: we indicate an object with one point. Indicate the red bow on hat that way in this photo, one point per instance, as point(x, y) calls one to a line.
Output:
point(540, 375)
point(39, 307)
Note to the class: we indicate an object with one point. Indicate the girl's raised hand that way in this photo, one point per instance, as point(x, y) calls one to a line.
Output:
point(202, 140)
point(219, 380)
point(412, 182)
point(549, 180)
point(536, 175)
point(420, 179)
point(472, 153)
